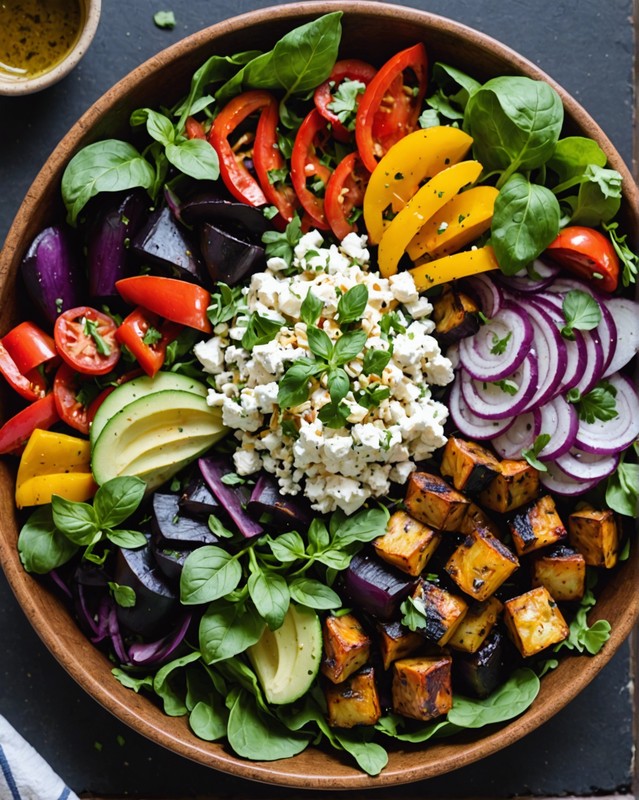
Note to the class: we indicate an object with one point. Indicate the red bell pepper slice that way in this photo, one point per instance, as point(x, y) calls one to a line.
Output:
point(179, 301)
point(16, 431)
point(29, 346)
point(30, 386)
point(348, 69)
point(147, 337)
point(193, 129)
point(306, 164)
point(345, 194)
point(268, 160)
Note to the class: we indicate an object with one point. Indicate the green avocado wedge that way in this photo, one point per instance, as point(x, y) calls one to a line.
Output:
point(141, 387)
point(155, 436)
point(287, 660)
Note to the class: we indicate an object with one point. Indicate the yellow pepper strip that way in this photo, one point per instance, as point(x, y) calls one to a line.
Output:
point(419, 209)
point(405, 166)
point(459, 223)
point(448, 268)
point(54, 463)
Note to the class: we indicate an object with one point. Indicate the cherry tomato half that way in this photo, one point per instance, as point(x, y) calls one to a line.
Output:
point(306, 165)
point(587, 253)
point(390, 107)
point(344, 194)
point(85, 339)
point(72, 410)
point(269, 163)
point(29, 346)
point(147, 338)
point(30, 385)
point(171, 298)
point(348, 69)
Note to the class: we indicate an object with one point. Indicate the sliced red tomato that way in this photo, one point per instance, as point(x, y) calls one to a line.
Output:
point(16, 431)
point(306, 165)
point(345, 194)
point(30, 385)
point(194, 129)
point(29, 346)
point(85, 339)
point(588, 254)
point(67, 389)
point(390, 107)
point(269, 163)
point(171, 298)
point(147, 337)
point(348, 69)
point(233, 156)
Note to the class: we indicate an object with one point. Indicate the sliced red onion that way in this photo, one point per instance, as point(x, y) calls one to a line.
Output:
point(625, 313)
point(541, 275)
point(593, 366)
point(550, 351)
point(615, 434)
point(470, 424)
point(491, 401)
point(518, 436)
point(587, 466)
point(560, 421)
point(159, 652)
point(557, 481)
point(607, 330)
point(564, 284)
point(477, 353)
point(488, 294)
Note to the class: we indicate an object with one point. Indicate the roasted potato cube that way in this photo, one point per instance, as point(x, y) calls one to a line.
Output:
point(397, 641)
point(478, 622)
point(353, 702)
point(562, 571)
point(469, 465)
point(595, 534)
point(456, 315)
point(422, 687)
point(431, 500)
point(477, 518)
point(479, 674)
point(481, 564)
point(537, 526)
point(534, 622)
point(516, 485)
point(346, 647)
point(407, 544)
point(443, 611)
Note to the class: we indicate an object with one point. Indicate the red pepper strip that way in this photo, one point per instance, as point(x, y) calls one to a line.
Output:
point(179, 301)
point(16, 431)
point(267, 158)
point(345, 192)
point(29, 346)
point(133, 331)
point(305, 164)
point(30, 386)
point(237, 178)
point(194, 129)
point(348, 69)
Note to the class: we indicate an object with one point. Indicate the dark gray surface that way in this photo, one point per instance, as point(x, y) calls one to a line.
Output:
point(587, 748)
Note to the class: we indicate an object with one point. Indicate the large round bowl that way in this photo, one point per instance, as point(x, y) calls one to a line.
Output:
point(369, 28)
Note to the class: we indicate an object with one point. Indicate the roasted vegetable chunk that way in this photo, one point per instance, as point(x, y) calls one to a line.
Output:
point(346, 647)
point(537, 526)
point(595, 535)
point(562, 571)
point(431, 500)
point(469, 465)
point(397, 641)
point(534, 622)
point(353, 702)
point(442, 612)
point(516, 485)
point(477, 624)
point(477, 518)
point(456, 316)
point(481, 564)
point(479, 674)
point(407, 544)
point(422, 687)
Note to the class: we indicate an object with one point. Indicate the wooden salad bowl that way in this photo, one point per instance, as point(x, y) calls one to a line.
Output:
point(368, 28)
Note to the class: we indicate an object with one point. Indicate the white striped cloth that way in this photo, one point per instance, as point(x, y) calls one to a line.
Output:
point(24, 774)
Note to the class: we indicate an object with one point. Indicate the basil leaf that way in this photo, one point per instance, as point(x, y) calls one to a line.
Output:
point(123, 595)
point(581, 312)
point(311, 309)
point(78, 521)
point(455, 87)
point(622, 490)
point(281, 245)
point(506, 702)
point(348, 347)
point(288, 547)
point(117, 499)
point(208, 574)
point(318, 536)
point(106, 166)
point(334, 415)
point(319, 343)
point(158, 126)
point(314, 594)
point(352, 304)
point(41, 546)
point(260, 330)
point(270, 593)
point(525, 221)
point(128, 539)
point(376, 361)
point(338, 385)
point(363, 526)
point(294, 386)
point(195, 158)
point(227, 629)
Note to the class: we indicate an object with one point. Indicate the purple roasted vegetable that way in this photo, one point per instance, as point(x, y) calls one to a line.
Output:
point(245, 221)
point(198, 501)
point(170, 561)
point(375, 587)
point(228, 258)
point(165, 245)
point(170, 527)
point(108, 255)
point(232, 498)
point(51, 273)
point(286, 512)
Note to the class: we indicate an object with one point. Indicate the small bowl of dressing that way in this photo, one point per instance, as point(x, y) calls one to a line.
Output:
point(41, 41)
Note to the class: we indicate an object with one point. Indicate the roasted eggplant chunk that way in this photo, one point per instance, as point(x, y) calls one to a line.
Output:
point(397, 641)
point(353, 702)
point(476, 626)
point(422, 686)
point(481, 564)
point(170, 527)
point(469, 466)
point(516, 485)
point(595, 534)
point(432, 501)
point(456, 315)
point(479, 674)
point(374, 586)
point(534, 622)
point(347, 647)
point(407, 544)
point(536, 526)
point(443, 611)
point(562, 571)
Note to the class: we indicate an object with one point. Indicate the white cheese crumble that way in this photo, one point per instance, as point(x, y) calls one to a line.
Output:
point(379, 443)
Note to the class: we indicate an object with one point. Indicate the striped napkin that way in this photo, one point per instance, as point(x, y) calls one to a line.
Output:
point(24, 774)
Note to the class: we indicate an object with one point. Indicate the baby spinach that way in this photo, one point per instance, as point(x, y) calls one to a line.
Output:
point(622, 490)
point(42, 547)
point(209, 573)
point(582, 636)
point(506, 702)
point(227, 629)
point(454, 88)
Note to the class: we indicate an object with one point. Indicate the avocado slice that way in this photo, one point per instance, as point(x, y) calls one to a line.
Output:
point(141, 387)
point(286, 661)
point(155, 436)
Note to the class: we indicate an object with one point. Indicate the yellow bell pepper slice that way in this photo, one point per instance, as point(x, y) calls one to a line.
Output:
point(54, 463)
point(460, 222)
point(420, 155)
point(449, 268)
point(419, 209)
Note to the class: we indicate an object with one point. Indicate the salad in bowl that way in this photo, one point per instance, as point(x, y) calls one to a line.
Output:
point(322, 418)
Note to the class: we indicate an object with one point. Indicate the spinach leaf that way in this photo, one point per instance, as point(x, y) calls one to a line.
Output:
point(582, 636)
point(453, 92)
point(314, 594)
point(270, 593)
point(364, 526)
point(132, 681)
point(208, 574)
point(389, 724)
point(572, 157)
point(622, 490)
point(525, 222)
point(41, 546)
point(506, 702)
point(227, 629)
point(370, 756)
point(581, 312)
point(208, 720)
point(170, 686)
